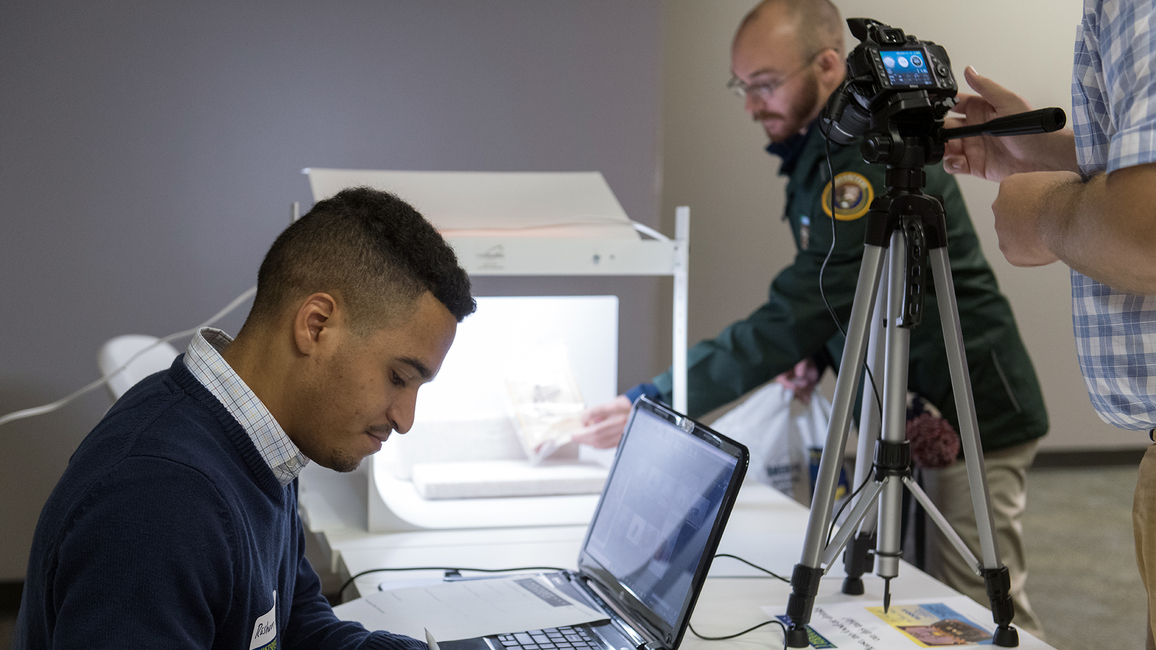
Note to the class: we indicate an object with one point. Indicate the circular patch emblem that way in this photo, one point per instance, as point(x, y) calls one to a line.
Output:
point(853, 196)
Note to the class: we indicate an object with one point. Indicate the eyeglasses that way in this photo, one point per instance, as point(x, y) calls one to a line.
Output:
point(765, 91)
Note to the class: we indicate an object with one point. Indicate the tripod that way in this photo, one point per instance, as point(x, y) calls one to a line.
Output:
point(906, 235)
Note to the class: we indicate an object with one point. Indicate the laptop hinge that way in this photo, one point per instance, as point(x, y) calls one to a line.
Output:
point(632, 626)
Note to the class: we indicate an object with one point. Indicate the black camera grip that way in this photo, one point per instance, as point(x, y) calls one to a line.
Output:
point(1043, 120)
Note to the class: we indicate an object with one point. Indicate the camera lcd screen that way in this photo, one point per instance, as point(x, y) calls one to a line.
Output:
point(906, 67)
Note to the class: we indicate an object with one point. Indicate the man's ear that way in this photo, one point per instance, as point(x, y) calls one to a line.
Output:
point(832, 68)
point(315, 315)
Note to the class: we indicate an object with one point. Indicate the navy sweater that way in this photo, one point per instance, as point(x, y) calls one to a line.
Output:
point(168, 530)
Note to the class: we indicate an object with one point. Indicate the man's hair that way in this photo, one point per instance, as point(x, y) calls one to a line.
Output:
point(818, 25)
point(369, 249)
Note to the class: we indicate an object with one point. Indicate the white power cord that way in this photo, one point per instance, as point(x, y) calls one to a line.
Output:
point(647, 230)
point(48, 408)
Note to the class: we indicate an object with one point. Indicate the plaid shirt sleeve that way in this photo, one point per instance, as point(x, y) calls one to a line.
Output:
point(1114, 116)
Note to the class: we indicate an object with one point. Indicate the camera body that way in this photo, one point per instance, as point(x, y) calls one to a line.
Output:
point(896, 85)
point(897, 62)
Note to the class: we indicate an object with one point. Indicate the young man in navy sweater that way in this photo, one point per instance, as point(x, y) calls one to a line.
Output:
point(175, 524)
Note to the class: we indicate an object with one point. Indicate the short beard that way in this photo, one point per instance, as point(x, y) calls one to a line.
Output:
point(798, 114)
point(342, 462)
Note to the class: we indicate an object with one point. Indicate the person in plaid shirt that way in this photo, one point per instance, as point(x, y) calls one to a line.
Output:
point(1087, 197)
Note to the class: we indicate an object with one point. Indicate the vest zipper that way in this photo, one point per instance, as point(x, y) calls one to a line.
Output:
point(1006, 385)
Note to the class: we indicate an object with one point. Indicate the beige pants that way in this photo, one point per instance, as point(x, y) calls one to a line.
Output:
point(1144, 528)
point(1006, 483)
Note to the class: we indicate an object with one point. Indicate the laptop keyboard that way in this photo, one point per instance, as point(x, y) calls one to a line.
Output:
point(554, 638)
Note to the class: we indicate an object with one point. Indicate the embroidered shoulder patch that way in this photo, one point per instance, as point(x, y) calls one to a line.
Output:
point(853, 196)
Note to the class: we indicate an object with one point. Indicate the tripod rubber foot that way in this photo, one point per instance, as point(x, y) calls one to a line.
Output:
point(853, 586)
point(797, 637)
point(1006, 637)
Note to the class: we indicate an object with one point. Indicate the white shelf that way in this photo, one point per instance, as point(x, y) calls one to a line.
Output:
point(567, 256)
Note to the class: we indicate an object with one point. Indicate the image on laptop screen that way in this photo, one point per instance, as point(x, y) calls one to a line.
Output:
point(657, 512)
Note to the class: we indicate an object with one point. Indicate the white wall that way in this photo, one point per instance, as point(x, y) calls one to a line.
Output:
point(713, 161)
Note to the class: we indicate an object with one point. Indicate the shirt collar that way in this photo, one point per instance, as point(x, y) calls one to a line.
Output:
point(205, 362)
point(790, 149)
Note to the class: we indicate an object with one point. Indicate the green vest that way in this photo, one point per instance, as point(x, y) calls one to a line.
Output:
point(794, 323)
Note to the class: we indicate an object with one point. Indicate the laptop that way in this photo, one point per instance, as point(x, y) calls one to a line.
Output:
point(650, 544)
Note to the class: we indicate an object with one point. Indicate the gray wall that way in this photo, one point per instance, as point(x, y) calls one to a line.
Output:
point(149, 152)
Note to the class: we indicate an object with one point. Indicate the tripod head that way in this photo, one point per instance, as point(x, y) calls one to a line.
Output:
point(897, 92)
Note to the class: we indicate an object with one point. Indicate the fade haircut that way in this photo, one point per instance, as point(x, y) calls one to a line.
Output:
point(817, 23)
point(370, 250)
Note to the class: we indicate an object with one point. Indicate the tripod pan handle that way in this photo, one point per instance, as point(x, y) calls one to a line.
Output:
point(1043, 120)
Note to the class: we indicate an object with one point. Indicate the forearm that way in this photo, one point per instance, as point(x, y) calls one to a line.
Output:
point(1052, 152)
point(1105, 227)
point(748, 353)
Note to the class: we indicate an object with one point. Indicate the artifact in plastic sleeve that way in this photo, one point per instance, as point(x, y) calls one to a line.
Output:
point(545, 400)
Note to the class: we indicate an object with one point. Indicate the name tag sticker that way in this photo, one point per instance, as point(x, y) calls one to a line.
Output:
point(265, 629)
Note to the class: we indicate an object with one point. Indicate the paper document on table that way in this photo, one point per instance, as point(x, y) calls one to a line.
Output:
point(466, 609)
point(953, 621)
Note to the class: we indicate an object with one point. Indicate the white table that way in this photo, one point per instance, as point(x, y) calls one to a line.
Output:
point(765, 528)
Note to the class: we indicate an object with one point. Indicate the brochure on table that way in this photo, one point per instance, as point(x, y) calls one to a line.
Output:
point(945, 622)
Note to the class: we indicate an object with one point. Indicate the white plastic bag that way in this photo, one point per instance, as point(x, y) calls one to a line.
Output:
point(785, 443)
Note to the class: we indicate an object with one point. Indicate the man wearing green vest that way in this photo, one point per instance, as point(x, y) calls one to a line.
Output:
point(787, 58)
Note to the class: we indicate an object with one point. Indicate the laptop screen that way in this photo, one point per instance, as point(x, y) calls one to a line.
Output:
point(662, 511)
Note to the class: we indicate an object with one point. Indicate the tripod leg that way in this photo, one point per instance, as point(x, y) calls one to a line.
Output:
point(805, 579)
point(888, 551)
point(858, 558)
point(994, 573)
point(864, 507)
point(942, 523)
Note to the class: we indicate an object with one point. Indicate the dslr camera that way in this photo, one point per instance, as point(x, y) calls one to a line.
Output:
point(897, 86)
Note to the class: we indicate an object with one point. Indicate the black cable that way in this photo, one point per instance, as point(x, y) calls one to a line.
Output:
point(442, 568)
point(848, 500)
point(749, 629)
point(752, 564)
point(823, 269)
point(551, 568)
point(831, 195)
point(834, 317)
point(738, 634)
